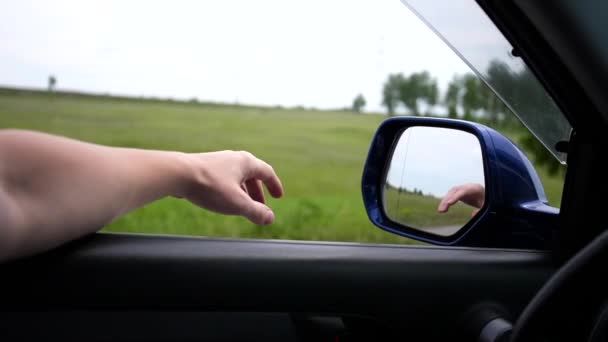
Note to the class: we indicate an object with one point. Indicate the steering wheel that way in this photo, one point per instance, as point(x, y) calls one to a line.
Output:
point(572, 305)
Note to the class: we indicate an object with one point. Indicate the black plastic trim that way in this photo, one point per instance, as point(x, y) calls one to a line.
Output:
point(116, 271)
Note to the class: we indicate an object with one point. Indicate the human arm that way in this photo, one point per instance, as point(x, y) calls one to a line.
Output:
point(472, 194)
point(54, 189)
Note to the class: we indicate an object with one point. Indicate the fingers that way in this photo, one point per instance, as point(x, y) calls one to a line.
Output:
point(255, 191)
point(475, 212)
point(230, 183)
point(446, 203)
point(257, 212)
point(448, 200)
point(470, 194)
point(261, 170)
point(443, 206)
point(253, 203)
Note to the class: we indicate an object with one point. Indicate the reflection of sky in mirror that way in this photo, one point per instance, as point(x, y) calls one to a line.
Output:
point(435, 159)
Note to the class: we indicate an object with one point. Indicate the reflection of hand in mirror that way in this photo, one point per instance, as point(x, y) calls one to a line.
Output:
point(471, 193)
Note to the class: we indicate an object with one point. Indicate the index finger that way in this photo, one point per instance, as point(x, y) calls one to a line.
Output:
point(447, 200)
point(264, 172)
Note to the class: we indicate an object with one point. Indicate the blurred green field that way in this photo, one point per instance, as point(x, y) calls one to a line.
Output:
point(319, 156)
point(420, 211)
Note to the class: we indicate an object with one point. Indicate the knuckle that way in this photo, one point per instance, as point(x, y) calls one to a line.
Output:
point(245, 155)
point(267, 166)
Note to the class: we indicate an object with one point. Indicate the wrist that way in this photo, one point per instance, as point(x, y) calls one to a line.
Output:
point(481, 198)
point(156, 174)
point(181, 173)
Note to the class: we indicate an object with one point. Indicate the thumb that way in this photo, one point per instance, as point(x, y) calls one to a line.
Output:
point(258, 213)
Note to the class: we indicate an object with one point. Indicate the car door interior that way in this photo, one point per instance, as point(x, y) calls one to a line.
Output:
point(110, 287)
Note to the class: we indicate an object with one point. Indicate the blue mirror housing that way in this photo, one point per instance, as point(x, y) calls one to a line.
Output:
point(515, 214)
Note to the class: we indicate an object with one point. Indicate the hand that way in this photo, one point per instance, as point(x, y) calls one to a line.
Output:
point(471, 193)
point(230, 182)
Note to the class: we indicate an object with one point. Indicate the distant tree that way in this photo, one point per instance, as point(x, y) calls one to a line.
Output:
point(521, 89)
point(471, 94)
point(472, 98)
point(390, 92)
point(52, 82)
point(500, 77)
point(452, 97)
point(358, 103)
point(418, 86)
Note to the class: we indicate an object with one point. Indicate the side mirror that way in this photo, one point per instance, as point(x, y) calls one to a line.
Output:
point(435, 179)
point(452, 182)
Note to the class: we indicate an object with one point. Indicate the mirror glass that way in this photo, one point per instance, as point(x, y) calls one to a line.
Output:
point(435, 180)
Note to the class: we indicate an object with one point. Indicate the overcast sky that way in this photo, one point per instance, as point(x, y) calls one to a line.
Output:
point(435, 159)
point(317, 53)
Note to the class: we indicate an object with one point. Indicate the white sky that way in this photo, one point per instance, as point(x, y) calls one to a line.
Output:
point(435, 159)
point(318, 53)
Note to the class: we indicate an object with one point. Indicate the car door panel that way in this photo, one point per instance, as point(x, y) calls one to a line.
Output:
point(392, 285)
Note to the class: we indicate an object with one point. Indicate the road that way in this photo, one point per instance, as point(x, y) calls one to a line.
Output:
point(443, 230)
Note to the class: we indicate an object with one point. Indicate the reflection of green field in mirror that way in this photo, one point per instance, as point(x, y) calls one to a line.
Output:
point(318, 154)
point(420, 211)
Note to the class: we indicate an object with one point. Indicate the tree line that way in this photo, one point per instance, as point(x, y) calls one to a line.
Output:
point(467, 97)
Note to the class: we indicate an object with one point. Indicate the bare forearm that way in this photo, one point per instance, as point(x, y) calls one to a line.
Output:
point(55, 189)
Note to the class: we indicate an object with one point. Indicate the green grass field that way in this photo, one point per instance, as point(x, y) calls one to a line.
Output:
point(319, 156)
point(421, 211)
